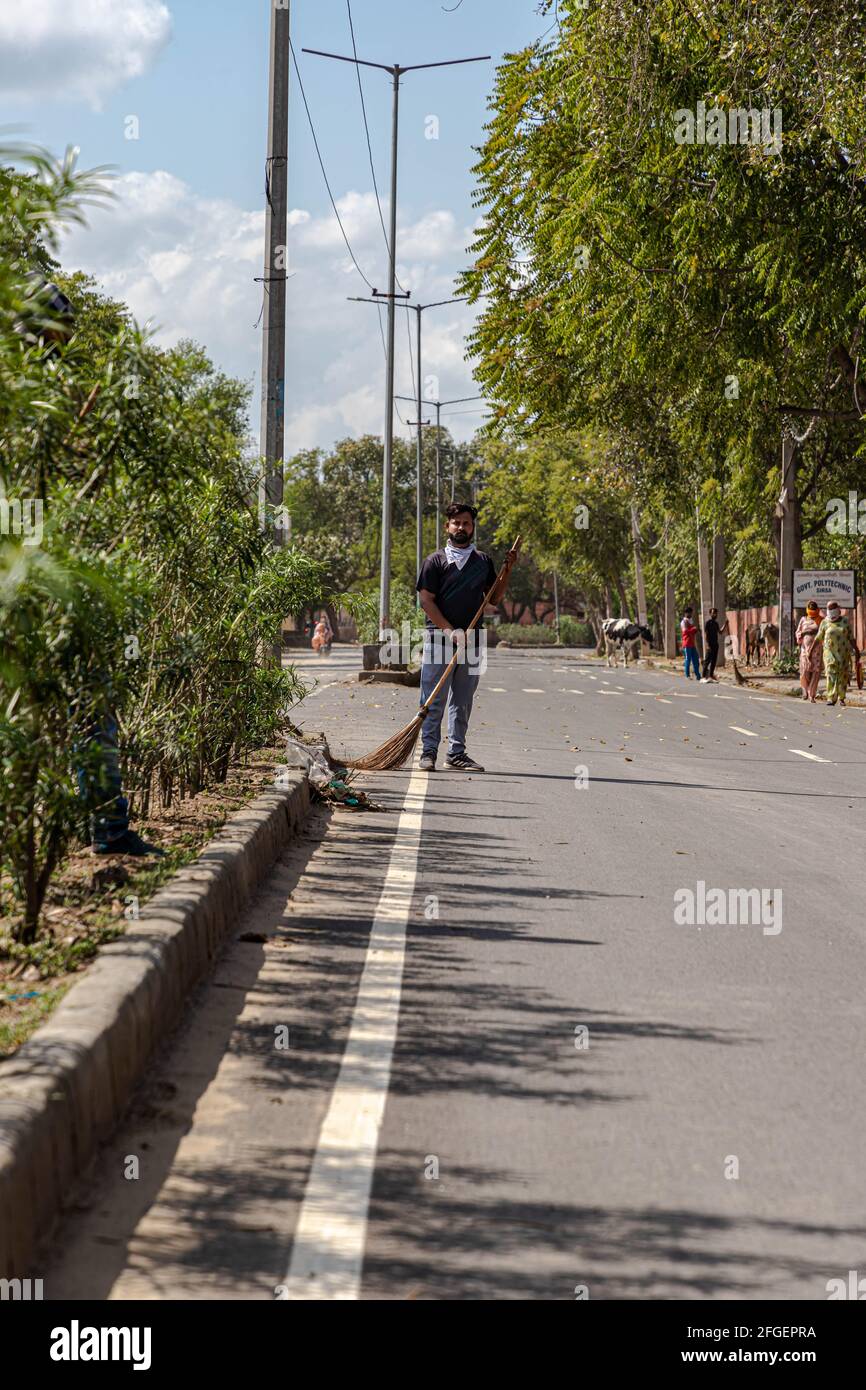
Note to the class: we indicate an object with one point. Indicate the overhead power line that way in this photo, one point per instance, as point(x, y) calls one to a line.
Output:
point(411, 367)
point(324, 174)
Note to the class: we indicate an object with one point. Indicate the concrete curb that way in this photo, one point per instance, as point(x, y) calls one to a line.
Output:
point(65, 1090)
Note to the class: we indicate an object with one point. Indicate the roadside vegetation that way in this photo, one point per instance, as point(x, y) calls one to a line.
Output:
point(136, 583)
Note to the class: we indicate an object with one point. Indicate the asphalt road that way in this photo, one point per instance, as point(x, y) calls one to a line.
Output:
point(511, 1072)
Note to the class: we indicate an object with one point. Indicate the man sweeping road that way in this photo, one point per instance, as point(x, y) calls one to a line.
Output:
point(451, 587)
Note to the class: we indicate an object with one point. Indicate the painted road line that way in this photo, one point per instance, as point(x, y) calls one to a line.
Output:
point(813, 757)
point(328, 1248)
point(662, 701)
point(608, 692)
point(496, 689)
point(532, 690)
point(563, 690)
point(749, 732)
point(695, 715)
point(319, 688)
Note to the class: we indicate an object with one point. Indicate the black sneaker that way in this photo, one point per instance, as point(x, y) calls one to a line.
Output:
point(461, 762)
point(130, 843)
point(427, 762)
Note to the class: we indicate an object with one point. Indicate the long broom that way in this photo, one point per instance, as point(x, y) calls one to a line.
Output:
point(396, 750)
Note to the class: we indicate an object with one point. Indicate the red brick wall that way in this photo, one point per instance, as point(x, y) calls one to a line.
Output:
point(740, 618)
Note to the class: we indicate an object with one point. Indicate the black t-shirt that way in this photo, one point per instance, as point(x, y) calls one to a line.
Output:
point(711, 628)
point(458, 592)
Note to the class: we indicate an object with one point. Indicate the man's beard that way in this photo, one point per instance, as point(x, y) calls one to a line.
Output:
point(459, 538)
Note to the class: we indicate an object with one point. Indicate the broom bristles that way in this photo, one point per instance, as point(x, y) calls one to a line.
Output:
point(393, 753)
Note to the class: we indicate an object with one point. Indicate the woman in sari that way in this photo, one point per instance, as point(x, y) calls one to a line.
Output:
point(835, 635)
point(323, 635)
point(810, 651)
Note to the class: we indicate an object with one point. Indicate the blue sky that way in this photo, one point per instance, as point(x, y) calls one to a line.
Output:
point(183, 242)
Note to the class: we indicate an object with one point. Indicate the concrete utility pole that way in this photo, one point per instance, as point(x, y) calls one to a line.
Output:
point(720, 595)
point(396, 72)
point(786, 509)
point(704, 572)
point(419, 494)
point(275, 271)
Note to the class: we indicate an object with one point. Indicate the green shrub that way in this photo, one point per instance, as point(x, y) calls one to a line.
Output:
point(574, 633)
point(526, 634)
point(363, 604)
point(153, 592)
point(787, 663)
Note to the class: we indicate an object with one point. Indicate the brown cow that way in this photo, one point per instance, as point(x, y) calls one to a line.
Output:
point(754, 641)
point(770, 639)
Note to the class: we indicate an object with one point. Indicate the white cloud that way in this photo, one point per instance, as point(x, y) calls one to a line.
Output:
point(77, 49)
point(189, 265)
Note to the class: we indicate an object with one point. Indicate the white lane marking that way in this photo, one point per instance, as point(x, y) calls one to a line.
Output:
point(608, 692)
point(565, 691)
point(813, 756)
point(319, 688)
point(662, 701)
point(497, 689)
point(328, 1248)
point(532, 690)
point(593, 678)
point(750, 732)
point(725, 697)
point(695, 715)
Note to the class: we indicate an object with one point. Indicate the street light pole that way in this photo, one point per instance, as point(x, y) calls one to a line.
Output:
point(388, 464)
point(396, 71)
point(419, 480)
point(458, 400)
point(437, 513)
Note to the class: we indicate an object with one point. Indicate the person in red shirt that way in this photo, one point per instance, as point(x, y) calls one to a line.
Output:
point(690, 651)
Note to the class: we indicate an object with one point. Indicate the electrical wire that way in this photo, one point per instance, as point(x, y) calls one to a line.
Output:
point(385, 355)
point(369, 144)
point(411, 351)
point(367, 282)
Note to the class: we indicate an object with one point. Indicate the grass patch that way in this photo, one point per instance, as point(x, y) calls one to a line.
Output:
point(27, 1019)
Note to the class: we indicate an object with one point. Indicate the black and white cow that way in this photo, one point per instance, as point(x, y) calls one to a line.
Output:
point(623, 635)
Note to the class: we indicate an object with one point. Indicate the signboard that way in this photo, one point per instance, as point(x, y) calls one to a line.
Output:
point(823, 586)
